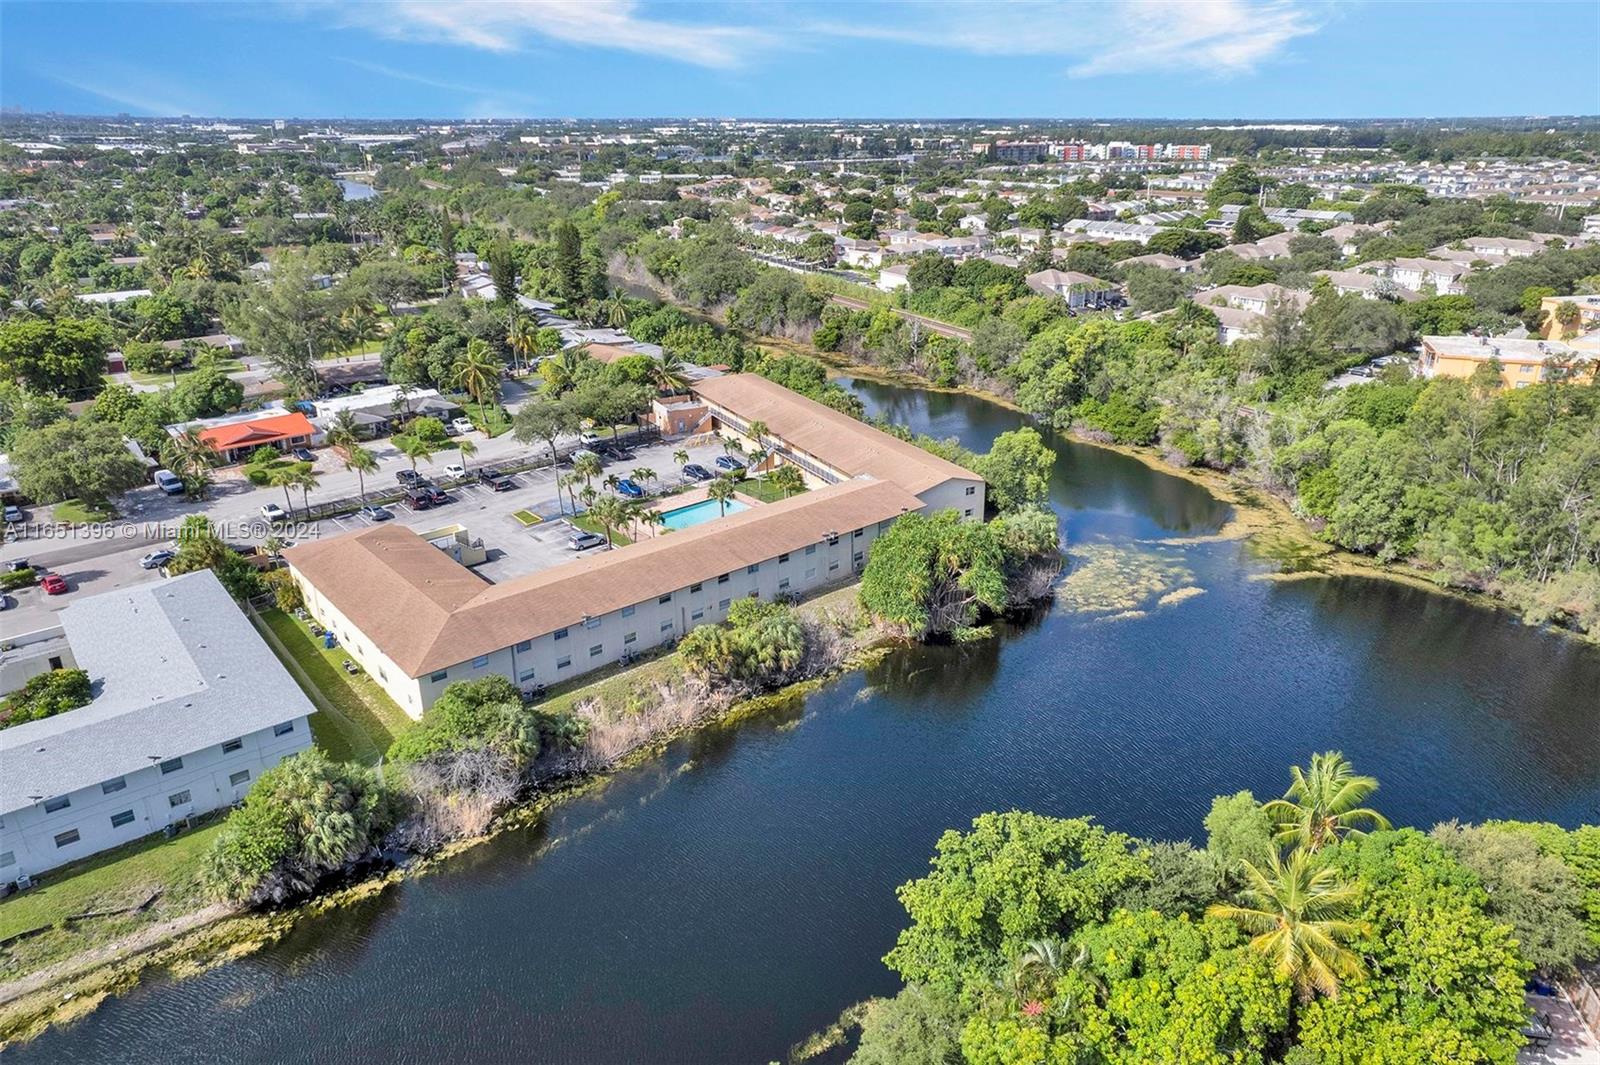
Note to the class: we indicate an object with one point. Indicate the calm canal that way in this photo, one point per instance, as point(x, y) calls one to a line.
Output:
point(725, 900)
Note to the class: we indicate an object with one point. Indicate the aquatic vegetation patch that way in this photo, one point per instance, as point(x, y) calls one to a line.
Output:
point(1119, 581)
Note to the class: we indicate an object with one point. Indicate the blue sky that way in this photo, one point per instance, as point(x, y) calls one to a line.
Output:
point(953, 58)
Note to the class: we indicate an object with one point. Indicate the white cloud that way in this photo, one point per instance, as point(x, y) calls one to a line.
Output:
point(509, 25)
point(1114, 37)
point(476, 90)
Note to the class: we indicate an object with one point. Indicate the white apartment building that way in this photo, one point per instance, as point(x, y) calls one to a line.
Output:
point(190, 707)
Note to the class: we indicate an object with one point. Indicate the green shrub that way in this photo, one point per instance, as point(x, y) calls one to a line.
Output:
point(760, 645)
point(14, 579)
point(469, 715)
point(45, 696)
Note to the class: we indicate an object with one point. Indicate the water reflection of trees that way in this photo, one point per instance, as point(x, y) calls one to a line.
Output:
point(946, 676)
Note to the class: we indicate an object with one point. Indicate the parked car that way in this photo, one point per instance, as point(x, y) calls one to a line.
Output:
point(490, 473)
point(573, 458)
point(157, 558)
point(461, 425)
point(169, 482)
point(304, 454)
point(54, 584)
point(373, 513)
point(582, 541)
point(434, 492)
point(588, 438)
point(729, 463)
point(455, 469)
point(13, 513)
point(696, 472)
point(6, 602)
point(630, 488)
point(500, 484)
point(273, 512)
point(419, 499)
point(408, 477)
point(17, 565)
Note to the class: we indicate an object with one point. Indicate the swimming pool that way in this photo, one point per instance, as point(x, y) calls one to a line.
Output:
point(699, 513)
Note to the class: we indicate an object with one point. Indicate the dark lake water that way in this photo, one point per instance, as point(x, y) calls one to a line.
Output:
point(730, 897)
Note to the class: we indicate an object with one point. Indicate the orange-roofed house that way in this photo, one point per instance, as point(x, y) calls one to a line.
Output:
point(234, 437)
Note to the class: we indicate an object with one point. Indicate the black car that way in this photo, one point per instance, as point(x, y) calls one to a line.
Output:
point(696, 472)
point(409, 477)
point(304, 454)
point(419, 499)
point(434, 492)
point(489, 473)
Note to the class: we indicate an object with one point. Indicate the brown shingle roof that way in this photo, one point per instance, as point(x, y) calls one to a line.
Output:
point(850, 446)
point(426, 612)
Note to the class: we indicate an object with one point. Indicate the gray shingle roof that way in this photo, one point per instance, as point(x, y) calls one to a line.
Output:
point(176, 667)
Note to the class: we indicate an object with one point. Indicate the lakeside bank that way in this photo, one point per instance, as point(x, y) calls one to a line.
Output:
point(198, 940)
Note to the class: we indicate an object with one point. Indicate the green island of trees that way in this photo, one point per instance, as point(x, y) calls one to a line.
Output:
point(1306, 931)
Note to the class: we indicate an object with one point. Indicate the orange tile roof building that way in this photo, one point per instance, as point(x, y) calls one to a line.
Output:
point(235, 439)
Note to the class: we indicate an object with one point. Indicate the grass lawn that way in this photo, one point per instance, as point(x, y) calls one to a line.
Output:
point(358, 720)
point(163, 378)
point(588, 524)
point(526, 517)
point(762, 489)
point(77, 512)
point(123, 876)
point(494, 421)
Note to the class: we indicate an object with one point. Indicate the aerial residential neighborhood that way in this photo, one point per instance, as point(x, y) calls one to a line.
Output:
point(889, 533)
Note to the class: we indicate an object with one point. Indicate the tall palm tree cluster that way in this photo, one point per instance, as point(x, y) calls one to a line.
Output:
point(1294, 905)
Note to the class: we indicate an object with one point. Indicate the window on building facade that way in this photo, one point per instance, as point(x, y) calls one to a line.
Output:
point(591, 623)
point(753, 569)
point(123, 818)
point(665, 599)
point(722, 579)
point(564, 662)
point(7, 858)
point(833, 564)
point(525, 645)
point(811, 572)
point(171, 765)
point(783, 584)
point(972, 490)
point(232, 745)
point(283, 729)
point(111, 786)
point(525, 675)
point(559, 634)
point(238, 778)
point(666, 626)
point(597, 650)
point(440, 676)
point(695, 587)
point(783, 557)
point(180, 799)
point(480, 661)
point(60, 802)
point(67, 838)
point(724, 604)
point(630, 638)
point(811, 549)
point(697, 615)
point(627, 611)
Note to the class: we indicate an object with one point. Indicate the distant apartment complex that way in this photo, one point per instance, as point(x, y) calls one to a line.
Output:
point(1523, 362)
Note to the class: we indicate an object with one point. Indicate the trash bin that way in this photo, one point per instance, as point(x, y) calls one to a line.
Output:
point(328, 640)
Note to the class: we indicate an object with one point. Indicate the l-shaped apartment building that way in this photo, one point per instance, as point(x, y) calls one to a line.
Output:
point(417, 621)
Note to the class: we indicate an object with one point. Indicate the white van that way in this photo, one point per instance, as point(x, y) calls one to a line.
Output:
point(169, 482)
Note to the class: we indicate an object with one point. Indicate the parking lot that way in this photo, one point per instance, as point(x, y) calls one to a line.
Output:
point(515, 548)
point(94, 561)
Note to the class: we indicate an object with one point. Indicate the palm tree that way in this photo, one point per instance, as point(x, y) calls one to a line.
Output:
point(1044, 962)
point(667, 373)
point(721, 490)
point(681, 457)
point(609, 514)
point(1297, 916)
point(344, 432)
point(587, 497)
point(305, 479)
point(285, 477)
point(615, 310)
point(467, 449)
point(522, 337)
point(566, 481)
point(362, 462)
point(560, 371)
point(1323, 804)
point(191, 458)
point(478, 372)
point(653, 518)
point(587, 466)
point(787, 479)
point(413, 448)
point(758, 432)
point(358, 323)
point(643, 475)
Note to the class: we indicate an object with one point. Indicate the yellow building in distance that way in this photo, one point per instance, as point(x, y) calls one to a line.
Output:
point(1522, 362)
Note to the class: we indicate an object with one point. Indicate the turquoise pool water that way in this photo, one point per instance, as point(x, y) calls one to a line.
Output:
point(699, 513)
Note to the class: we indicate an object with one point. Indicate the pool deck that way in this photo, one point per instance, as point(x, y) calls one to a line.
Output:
point(697, 494)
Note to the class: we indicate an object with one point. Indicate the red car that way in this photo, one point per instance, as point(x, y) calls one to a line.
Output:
point(54, 584)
